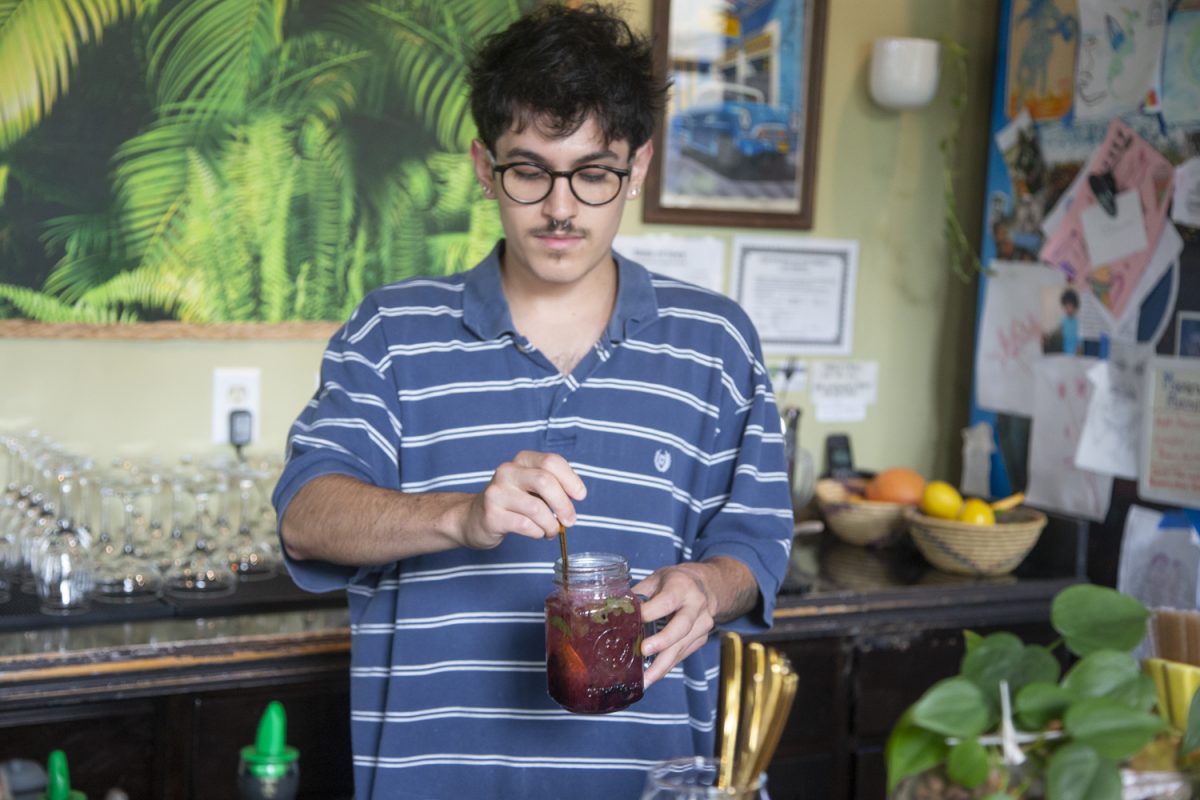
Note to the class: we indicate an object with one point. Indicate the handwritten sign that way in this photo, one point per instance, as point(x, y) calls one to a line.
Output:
point(1011, 334)
point(1170, 464)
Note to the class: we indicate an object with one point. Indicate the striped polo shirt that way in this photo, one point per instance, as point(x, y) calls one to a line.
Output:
point(670, 422)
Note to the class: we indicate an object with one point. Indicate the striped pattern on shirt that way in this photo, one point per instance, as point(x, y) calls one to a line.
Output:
point(671, 423)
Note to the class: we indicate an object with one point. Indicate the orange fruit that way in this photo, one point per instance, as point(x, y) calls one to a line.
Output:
point(896, 485)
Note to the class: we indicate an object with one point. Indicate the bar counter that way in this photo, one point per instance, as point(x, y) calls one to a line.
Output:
point(159, 706)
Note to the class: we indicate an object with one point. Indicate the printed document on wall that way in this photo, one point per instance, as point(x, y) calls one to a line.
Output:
point(798, 291)
point(695, 259)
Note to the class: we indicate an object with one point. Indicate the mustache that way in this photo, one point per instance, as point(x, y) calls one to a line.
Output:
point(559, 226)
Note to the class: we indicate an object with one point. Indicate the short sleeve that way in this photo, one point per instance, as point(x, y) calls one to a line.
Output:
point(754, 523)
point(351, 426)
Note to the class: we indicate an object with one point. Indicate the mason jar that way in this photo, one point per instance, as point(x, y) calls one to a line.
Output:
point(594, 632)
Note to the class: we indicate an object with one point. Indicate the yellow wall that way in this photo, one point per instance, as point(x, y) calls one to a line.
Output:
point(879, 181)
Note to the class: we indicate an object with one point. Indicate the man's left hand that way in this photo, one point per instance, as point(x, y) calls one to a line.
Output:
point(693, 597)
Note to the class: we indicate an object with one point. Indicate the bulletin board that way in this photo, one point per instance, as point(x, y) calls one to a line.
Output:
point(1091, 242)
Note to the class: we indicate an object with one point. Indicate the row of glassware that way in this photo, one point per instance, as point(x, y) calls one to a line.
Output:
point(73, 531)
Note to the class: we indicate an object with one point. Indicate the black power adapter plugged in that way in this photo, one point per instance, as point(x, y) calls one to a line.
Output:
point(241, 429)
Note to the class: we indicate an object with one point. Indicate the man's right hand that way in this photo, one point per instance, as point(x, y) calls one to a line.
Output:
point(342, 520)
point(527, 496)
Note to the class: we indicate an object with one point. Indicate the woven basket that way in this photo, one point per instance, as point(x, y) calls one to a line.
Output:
point(966, 549)
point(860, 522)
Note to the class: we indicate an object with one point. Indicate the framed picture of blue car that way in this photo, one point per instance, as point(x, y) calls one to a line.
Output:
point(737, 143)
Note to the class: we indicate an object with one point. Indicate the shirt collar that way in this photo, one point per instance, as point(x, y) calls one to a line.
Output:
point(486, 312)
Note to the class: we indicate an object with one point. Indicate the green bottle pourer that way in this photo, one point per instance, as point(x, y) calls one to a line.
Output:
point(270, 768)
point(58, 779)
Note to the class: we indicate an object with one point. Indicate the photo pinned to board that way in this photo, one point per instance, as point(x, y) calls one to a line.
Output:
point(1187, 334)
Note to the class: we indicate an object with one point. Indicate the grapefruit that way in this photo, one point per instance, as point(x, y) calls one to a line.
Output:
point(896, 485)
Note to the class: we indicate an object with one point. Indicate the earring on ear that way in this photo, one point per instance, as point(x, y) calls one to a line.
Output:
point(487, 190)
point(633, 192)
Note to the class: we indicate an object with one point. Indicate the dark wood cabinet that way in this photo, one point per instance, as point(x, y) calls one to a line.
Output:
point(160, 708)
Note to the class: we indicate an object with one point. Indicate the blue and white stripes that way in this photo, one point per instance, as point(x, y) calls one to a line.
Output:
point(670, 422)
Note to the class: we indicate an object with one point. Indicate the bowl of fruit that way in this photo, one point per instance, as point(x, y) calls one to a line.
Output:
point(869, 511)
point(971, 536)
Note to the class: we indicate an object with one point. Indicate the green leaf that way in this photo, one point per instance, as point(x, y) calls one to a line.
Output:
point(1003, 657)
point(972, 640)
point(1191, 734)
point(953, 707)
point(1101, 674)
point(1037, 665)
point(1092, 618)
point(1139, 694)
point(993, 659)
point(967, 763)
point(39, 45)
point(1077, 772)
point(911, 750)
point(211, 52)
point(1038, 703)
point(1112, 729)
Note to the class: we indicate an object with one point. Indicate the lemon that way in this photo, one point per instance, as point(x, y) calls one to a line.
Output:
point(942, 500)
point(977, 512)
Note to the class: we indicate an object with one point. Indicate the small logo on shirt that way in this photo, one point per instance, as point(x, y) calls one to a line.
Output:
point(662, 460)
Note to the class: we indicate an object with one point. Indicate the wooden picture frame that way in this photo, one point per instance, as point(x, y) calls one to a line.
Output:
point(737, 143)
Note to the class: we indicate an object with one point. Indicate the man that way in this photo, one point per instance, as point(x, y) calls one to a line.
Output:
point(461, 419)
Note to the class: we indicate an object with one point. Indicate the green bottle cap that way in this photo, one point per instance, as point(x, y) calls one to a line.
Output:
point(58, 783)
point(269, 756)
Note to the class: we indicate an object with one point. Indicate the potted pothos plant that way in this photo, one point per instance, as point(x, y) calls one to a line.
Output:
point(1013, 724)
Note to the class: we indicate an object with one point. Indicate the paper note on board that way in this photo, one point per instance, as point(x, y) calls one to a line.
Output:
point(1170, 463)
point(1113, 428)
point(1157, 566)
point(1015, 323)
point(1134, 164)
point(1119, 63)
point(1061, 393)
point(1181, 79)
point(1186, 208)
point(1111, 237)
point(1041, 58)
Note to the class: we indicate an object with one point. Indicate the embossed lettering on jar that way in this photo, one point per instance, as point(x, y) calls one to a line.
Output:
point(594, 633)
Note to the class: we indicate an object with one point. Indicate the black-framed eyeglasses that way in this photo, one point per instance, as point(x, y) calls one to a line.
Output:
point(592, 184)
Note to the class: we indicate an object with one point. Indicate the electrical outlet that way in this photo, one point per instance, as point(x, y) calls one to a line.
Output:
point(235, 389)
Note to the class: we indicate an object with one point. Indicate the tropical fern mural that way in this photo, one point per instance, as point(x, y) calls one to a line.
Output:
point(234, 160)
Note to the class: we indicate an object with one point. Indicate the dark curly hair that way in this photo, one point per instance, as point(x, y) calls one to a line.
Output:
point(556, 67)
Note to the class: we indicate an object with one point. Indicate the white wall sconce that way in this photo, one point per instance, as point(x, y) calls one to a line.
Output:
point(904, 72)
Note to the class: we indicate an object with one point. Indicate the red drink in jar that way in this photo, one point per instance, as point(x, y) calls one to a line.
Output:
point(594, 636)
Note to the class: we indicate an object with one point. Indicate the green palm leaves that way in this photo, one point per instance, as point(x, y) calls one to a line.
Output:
point(293, 156)
point(39, 43)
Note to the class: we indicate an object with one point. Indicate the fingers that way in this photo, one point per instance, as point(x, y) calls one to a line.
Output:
point(558, 467)
point(529, 495)
point(676, 593)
